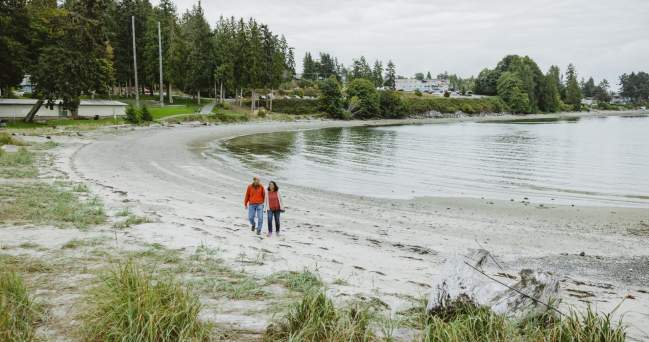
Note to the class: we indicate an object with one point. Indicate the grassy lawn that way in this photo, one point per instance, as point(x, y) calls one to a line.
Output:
point(169, 110)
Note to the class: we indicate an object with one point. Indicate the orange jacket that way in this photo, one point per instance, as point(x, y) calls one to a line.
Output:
point(255, 195)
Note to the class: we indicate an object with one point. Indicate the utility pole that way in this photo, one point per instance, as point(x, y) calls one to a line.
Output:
point(162, 102)
point(137, 90)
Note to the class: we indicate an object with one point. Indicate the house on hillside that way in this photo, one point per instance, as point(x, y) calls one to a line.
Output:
point(18, 108)
point(425, 86)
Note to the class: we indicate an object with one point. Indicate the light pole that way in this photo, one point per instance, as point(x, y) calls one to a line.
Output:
point(162, 102)
point(137, 91)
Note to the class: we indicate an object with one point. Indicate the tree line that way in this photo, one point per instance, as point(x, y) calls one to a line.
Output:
point(326, 66)
point(85, 47)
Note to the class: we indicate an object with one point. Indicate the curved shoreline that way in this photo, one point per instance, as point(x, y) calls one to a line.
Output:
point(388, 248)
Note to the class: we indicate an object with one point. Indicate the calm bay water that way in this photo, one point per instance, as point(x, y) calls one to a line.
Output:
point(594, 161)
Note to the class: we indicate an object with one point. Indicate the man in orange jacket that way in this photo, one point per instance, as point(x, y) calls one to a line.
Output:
point(254, 202)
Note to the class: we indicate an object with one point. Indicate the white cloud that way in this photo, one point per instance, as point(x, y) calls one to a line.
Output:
point(603, 38)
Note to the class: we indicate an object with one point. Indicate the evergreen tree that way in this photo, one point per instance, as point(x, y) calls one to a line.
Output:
point(573, 92)
point(588, 87)
point(391, 76)
point(309, 71)
point(601, 93)
point(419, 76)
point(635, 86)
point(361, 69)
point(377, 74)
point(551, 98)
point(429, 76)
point(555, 76)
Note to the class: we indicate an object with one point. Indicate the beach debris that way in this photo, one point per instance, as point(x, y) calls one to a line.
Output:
point(582, 254)
point(468, 279)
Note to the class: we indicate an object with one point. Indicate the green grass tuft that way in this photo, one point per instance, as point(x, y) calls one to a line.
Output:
point(19, 313)
point(297, 281)
point(132, 305)
point(131, 220)
point(463, 321)
point(315, 318)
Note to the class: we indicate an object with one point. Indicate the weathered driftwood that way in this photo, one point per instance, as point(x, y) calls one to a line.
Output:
point(470, 279)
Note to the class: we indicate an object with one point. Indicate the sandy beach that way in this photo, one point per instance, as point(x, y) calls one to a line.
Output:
point(388, 249)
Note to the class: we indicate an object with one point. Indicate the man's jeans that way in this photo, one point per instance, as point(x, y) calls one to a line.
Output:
point(258, 210)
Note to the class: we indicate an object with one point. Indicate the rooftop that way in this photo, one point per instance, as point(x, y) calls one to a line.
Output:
point(83, 102)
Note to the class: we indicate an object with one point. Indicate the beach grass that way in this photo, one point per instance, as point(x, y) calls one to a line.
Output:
point(132, 304)
point(463, 321)
point(54, 204)
point(8, 139)
point(131, 220)
point(20, 315)
point(19, 164)
point(297, 281)
point(315, 318)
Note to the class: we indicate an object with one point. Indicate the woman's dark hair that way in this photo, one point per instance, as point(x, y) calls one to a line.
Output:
point(275, 184)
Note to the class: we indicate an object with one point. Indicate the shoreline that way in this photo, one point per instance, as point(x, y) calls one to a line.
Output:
point(392, 250)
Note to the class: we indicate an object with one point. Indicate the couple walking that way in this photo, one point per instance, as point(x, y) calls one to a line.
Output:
point(257, 199)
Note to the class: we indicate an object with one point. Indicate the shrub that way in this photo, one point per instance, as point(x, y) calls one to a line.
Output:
point(392, 105)
point(331, 98)
point(132, 115)
point(132, 305)
point(364, 102)
point(451, 105)
point(19, 314)
point(145, 114)
point(418, 92)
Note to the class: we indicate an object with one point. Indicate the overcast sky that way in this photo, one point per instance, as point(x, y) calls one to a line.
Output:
point(602, 38)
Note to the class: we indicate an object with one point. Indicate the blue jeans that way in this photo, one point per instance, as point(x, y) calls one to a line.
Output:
point(256, 210)
point(273, 214)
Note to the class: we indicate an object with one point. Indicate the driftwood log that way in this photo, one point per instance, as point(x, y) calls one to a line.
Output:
point(473, 279)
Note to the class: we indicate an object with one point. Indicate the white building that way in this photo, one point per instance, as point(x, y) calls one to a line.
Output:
point(425, 86)
point(18, 108)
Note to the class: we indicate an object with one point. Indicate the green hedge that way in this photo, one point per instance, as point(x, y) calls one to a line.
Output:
point(291, 106)
point(420, 105)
